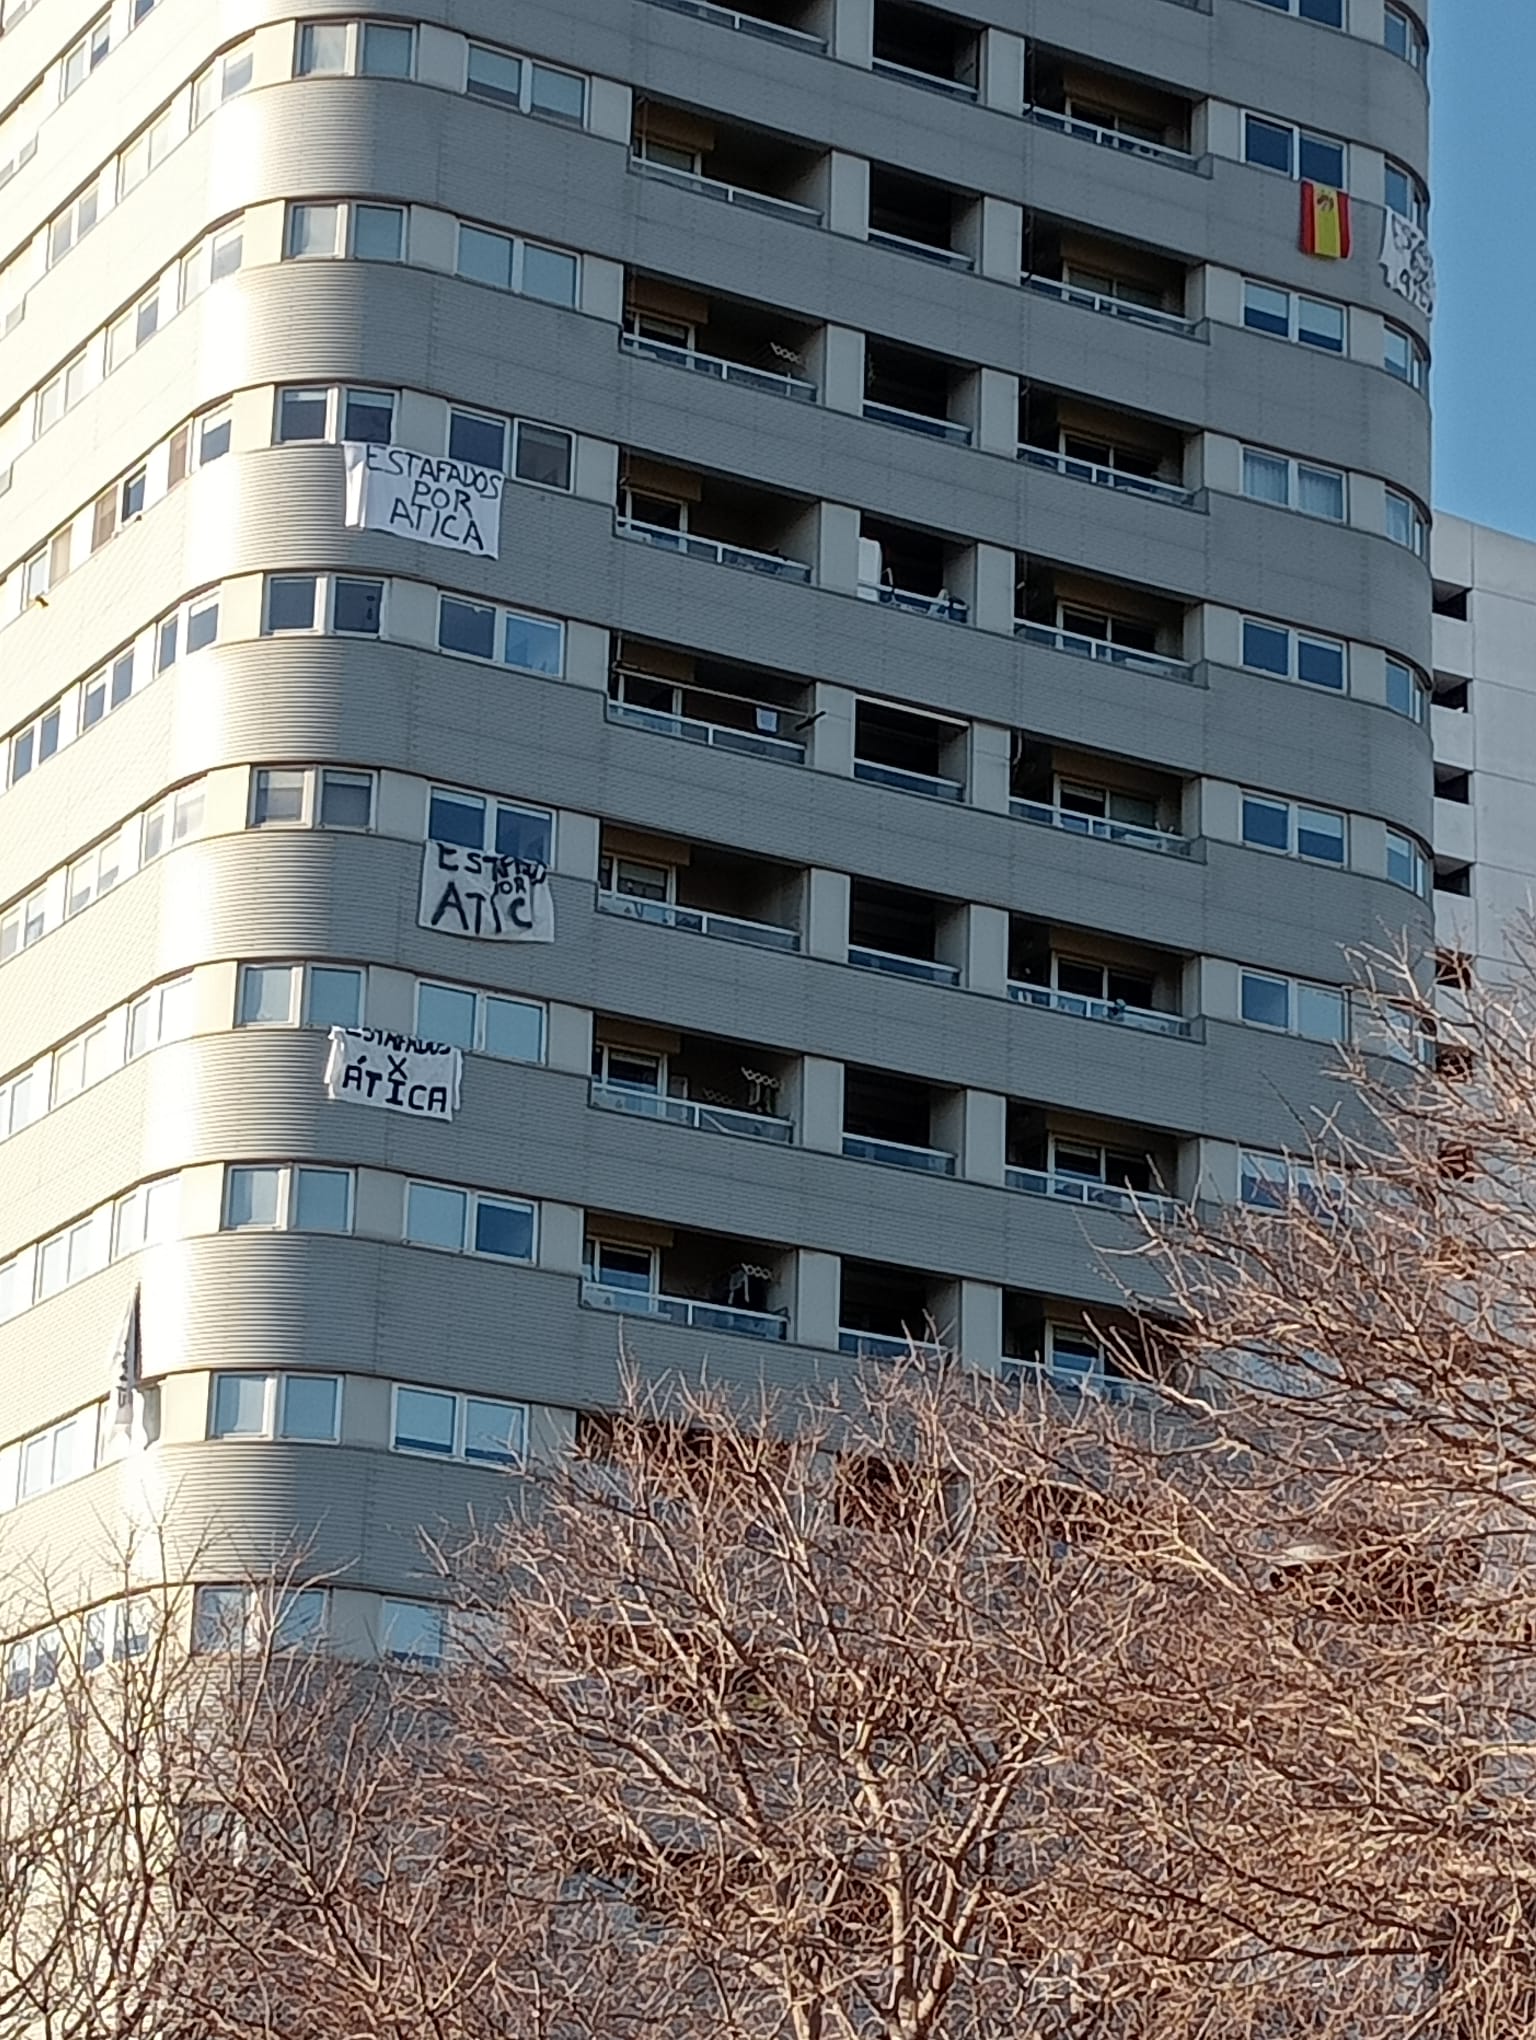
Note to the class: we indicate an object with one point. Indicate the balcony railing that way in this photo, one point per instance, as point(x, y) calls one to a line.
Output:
point(886, 1345)
point(931, 81)
point(1040, 1376)
point(918, 421)
point(926, 783)
point(717, 367)
point(749, 24)
point(1085, 1190)
point(1110, 138)
point(724, 927)
point(1145, 1019)
point(946, 608)
point(1111, 307)
point(1047, 817)
point(690, 1112)
point(685, 1310)
point(719, 736)
point(665, 539)
point(921, 967)
point(729, 194)
point(1106, 477)
point(925, 251)
point(1105, 650)
point(898, 1154)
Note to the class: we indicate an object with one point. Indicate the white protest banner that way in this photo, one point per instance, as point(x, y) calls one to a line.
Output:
point(422, 495)
point(1407, 263)
point(476, 892)
point(395, 1072)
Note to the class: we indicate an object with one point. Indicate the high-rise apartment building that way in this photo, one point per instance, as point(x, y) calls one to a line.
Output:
point(828, 597)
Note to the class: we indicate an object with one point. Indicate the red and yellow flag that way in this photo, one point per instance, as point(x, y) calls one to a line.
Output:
point(1324, 221)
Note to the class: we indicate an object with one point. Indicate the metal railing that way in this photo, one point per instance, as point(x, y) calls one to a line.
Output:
point(926, 251)
point(684, 1310)
point(898, 1154)
point(1044, 816)
point(692, 1112)
point(1105, 650)
point(748, 24)
point(931, 81)
point(946, 608)
point(1144, 1019)
point(729, 194)
point(864, 958)
point(1105, 477)
point(724, 927)
point(719, 736)
point(886, 1345)
point(717, 367)
point(1111, 307)
point(1042, 1376)
point(927, 783)
point(693, 547)
point(1110, 138)
point(1087, 1190)
point(918, 421)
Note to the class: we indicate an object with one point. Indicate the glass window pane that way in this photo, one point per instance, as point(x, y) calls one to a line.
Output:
point(220, 1618)
point(1266, 1000)
point(1319, 662)
point(513, 1029)
point(1267, 310)
point(322, 1200)
point(1320, 492)
point(1267, 144)
point(412, 1633)
point(550, 274)
point(557, 93)
point(386, 51)
point(1320, 834)
point(424, 1420)
point(1329, 12)
point(466, 627)
point(505, 1229)
point(266, 994)
point(252, 1197)
point(494, 76)
point(309, 1406)
point(378, 233)
point(368, 415)
point(298, 1618)
point(1266, 823)
point(312, 230)
point(322, 47)
point(1266, 477)
point(485, 258)
point(239, 1406)
point(1320, 1013)
point(523, 833)
point(544, 456)
point(493, 1431)
point(358, 608)
point(1322, 160)
point(335, 997)
point(291, 602)
point(534, 644)
point(480, 441)
point(1266, 648)
point(1404, 695)
point(1321, 325)
point(279, 796)
point(434, 1216)
point(444, 1013)
point(456, 818)
point(346, 800)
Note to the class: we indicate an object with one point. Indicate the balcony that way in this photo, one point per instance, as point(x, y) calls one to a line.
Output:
point(711, 518)
point(931, 50)
point(916, 217)
point(1107, 449)
point(913, 753)
point(689, 1080)
point(1050, 1346)
point(910, 570)
point(1085, 795)
point(1114, 279)
point(1111, 112)
point(902, 933)
point(703, 1280)
point(888, 1313)
point(744, 167)
point(722, 706)
point(783, 23)
point(891, 1121)
point(1126, 627)
point(913, 392)
point(700, 890)
point(1097, 1165)
point(741, 344)
point(1123, 984)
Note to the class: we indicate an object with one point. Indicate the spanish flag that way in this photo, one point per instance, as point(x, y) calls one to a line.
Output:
point(1324, 221)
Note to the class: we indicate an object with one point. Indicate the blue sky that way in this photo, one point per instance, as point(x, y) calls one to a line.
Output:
point(1483, 74)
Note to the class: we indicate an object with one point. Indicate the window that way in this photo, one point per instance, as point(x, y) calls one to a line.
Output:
point(312, 230)
point(1406, 523)
point(127, 334)
point(163, 1014)
point(507, 263)
point(1296, 831)
point(614, 1265)
point(322, 48)
point(475, 823)
point(1293, 654)
point(482, 442)
point(474, 1428)
point(1406, 693)
point(413, 1633)
point(1315, 1012)
point(1407, 864)
point(543, 456)
point(215, 257)
point(505, 80)
point(49, 1458)
point(1293, 484)
point(250, 1619)
point(530, 644)
point(222, 79)
point(297, 1406)
point(1329, 12)
point(1402, 356)
point(74, 222)
point(1273, 1181)
point(1313, 322)
point(296, 994)
point(466, 1222)
point(1296, 152)
point(176, 819)
point(291, 602)
point(1404, 37)
point(483, 1021)
point(386, 51)
point(298, 795)
point(378, 233)
point(82, 57)
point(1405, 195)
point(293, 1198)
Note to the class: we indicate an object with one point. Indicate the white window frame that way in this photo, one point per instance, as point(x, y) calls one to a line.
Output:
point(1418, 693)
point(211, 88)
point(1417, 541)
point(433, 1612)
point(300, 991)
point(286, 1219)
point(1417, 377)
point(1298, 135)
point(1295, 468)
point(353, 32)
point(517, 264)
point(92, 48)
point(273, 1426)
point(461, 1400)
point(482, 1003)
point(526, 101)
point(344, 230)
point(1415, 51)
point(1400, 842)
point(1294, 811)
point(1296, 990)
point(1418, 197)
point(312, 793)
point(473, 1200)
point(324, 588)
point(1294, 300)
point(1294, 640)
point(595, 1247)
point(335, 398)
point(262, 1617)
point(83, 1425)
point(491, 807)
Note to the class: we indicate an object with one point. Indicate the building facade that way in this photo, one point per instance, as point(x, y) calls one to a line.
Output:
point(868, 512)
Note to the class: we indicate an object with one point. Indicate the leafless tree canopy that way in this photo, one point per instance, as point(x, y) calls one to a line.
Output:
point(928, 1710)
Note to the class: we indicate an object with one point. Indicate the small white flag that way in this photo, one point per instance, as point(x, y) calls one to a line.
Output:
point(127, 1367)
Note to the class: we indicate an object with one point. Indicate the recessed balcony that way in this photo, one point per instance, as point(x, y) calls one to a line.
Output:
point(1107, 449)
point(1097, 1165)
point(706, 1281)
point(712, 702)
point(723, 522)
point(701, 890)
point(911, 570)
point(1108, 799)
point(902, 934)
point(914, 216)
point(1114, 279)
point(1085, 977)
point(1133, 628)
point(740, 166)
point(1053, 1347)
point(1111, 112)
point(934, 51)
point(896, 747)
point(745, 345)
point(914, 392)
point(893, 1121)
point(783, 21)
point(691, 1081)
point(889, 1313)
